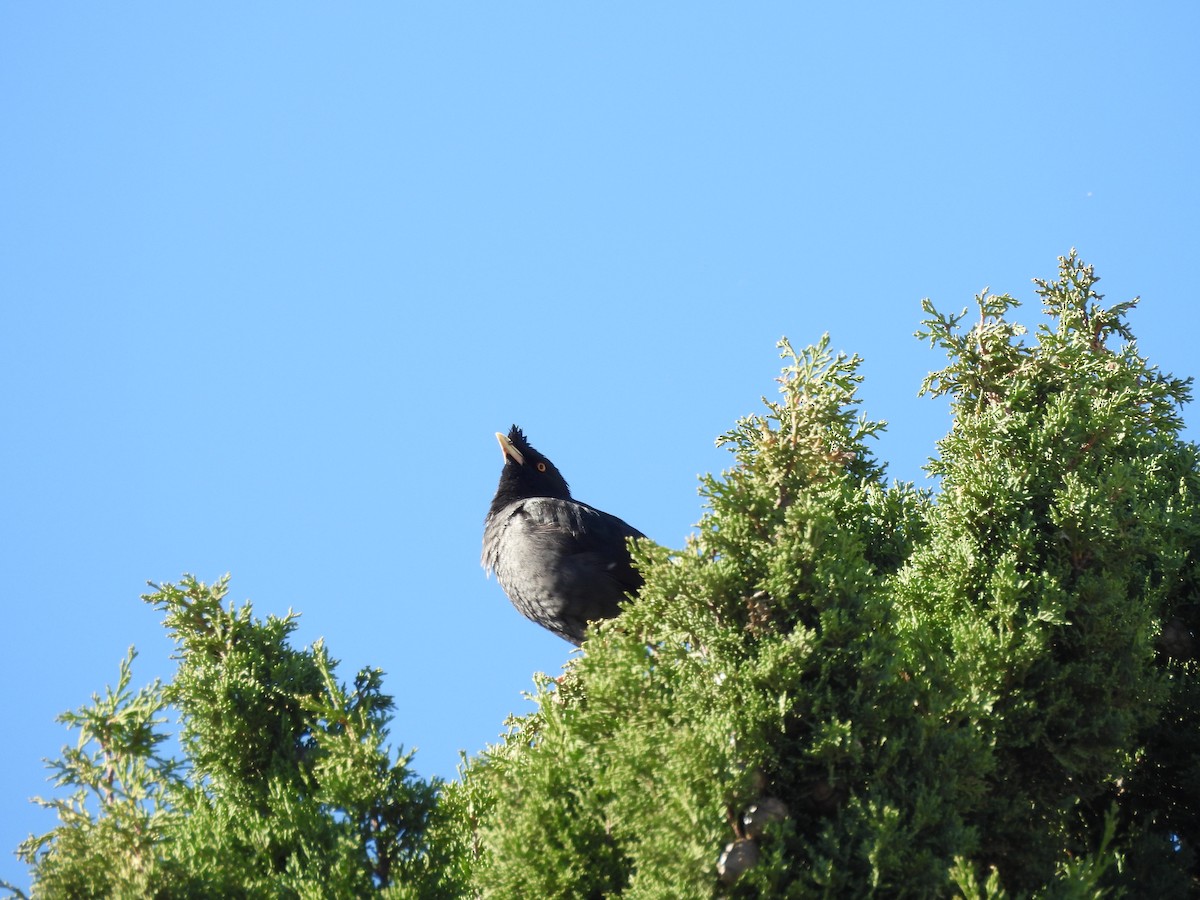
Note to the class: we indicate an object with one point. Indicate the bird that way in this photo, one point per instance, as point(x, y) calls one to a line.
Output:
point(561, 562)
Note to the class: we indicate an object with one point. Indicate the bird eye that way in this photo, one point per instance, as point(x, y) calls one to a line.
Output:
point(541, 467)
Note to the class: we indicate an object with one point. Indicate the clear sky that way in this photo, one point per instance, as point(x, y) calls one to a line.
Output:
point(271, 276)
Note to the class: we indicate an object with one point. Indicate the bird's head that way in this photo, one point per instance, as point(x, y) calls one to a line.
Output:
point(526, 472)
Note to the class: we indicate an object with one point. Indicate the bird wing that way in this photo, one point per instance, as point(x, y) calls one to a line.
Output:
point(561, 562)
point(577, 529)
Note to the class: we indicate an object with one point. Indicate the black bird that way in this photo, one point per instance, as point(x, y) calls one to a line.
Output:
point(561, 562)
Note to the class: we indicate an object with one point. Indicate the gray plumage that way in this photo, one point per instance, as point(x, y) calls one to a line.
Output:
point(562, 563)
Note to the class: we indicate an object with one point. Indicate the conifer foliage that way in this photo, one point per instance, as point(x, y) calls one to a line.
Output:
point(285, 788)
point(744, 728)
point(838, 687)
point(1057, 595)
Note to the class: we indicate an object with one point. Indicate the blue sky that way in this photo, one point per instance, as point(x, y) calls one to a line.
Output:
point(272, 275)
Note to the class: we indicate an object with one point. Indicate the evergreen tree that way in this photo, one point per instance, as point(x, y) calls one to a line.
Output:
point(285, 789)
point(750, 707)
point(990, 692)
point(1064, 537)
point(839, 687)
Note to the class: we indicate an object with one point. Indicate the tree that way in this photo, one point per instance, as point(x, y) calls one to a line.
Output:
point(837, 687)
point(1060, 562)
point(286, 787)
point(987, 692)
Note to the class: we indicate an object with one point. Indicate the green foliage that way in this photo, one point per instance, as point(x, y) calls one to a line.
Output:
point(759, 664)
point(118, 806)
point(990, 692)
point(838, 687)
point(1063, 537)
point(285, 789)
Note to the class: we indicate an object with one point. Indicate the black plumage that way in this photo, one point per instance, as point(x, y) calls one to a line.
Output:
point(561, 562)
